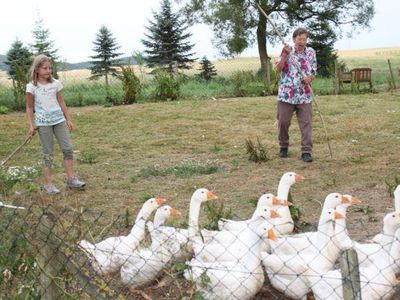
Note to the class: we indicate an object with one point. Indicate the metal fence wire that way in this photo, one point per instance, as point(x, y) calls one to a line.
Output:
point(53, 253)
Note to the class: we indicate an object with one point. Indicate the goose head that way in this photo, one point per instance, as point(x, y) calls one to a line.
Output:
point(330, 215)
point(392, 221)
point(291, 178)
point(153, 203)
point(350, 200)
point(149, 206)
point(268, 231)
point(164, 212)
point(202, 195)
point(335, 199)
point(265, 212)
point(270, 200)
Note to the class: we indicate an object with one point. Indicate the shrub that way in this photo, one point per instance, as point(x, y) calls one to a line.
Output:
point(3, 110)
point(13, 175)
point(88, 156)
point(256, 150)
point(246, 84)
point(130, 84)
point(166, 85)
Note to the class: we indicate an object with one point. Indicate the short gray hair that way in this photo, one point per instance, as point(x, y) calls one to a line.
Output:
point(300, 31)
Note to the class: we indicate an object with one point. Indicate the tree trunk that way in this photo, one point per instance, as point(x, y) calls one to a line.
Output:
point(262, 49)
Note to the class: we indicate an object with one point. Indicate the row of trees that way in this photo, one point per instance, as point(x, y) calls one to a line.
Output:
point(236, 25)
point(19, 59)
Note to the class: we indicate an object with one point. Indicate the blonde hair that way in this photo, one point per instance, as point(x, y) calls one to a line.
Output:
point(37, 63)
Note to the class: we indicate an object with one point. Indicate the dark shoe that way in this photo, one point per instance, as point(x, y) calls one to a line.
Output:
point(283, 152)
point(306, 157)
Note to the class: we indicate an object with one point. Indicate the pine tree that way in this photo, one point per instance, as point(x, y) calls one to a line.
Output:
point(166, 42)
point(43, 45)
point(19, 59)
point(207, 69)
point(106, 60)
point(322, 40)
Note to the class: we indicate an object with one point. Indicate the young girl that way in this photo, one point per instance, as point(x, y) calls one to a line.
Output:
point(51, 117)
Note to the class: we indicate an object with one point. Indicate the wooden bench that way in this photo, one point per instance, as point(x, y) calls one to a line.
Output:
point(356, 76)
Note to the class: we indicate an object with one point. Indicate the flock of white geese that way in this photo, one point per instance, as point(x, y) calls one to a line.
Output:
point(232, 263)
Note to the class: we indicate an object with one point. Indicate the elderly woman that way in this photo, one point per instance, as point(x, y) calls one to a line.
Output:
point(294, 93)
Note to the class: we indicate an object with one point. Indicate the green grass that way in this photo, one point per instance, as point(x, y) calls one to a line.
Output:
point(201, 143)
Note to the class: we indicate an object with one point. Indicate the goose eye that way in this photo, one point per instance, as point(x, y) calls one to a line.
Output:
point(265, 209)
point(393, 215)
point(329, 212)
point(336, 196)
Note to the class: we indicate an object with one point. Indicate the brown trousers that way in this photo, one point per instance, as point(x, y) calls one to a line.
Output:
point(304, 117)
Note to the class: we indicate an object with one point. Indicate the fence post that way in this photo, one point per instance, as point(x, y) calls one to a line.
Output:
point(337, 78)
point(47, 261)
point(350, 275)
point(393, 85)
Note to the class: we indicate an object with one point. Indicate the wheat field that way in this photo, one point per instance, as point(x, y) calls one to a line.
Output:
point(376, 58)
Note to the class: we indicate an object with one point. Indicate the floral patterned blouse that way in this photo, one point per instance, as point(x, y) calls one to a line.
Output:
point(291, 88)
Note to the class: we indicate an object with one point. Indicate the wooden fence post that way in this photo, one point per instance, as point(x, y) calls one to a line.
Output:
point(350, 275)
point(50, 268)
point(393, 85)
point(337, 78)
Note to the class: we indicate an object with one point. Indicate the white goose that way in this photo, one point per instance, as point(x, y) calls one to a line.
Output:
point(382, 237)
point(368, 253)
point(142, 266)
point(240, 279)
point(267, 200)
point(181, 237)
point(293, 244)
point(230, 245)
point(285, 225)
point(378, 281)
point(283, 270)
point(107, 256)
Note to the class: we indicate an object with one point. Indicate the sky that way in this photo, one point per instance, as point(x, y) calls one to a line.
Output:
point(73, 26)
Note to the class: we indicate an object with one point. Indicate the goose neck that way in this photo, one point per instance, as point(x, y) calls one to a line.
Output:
point(283, 190)
point(194, 213)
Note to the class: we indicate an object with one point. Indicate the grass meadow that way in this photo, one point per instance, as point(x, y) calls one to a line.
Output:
point(127, 154)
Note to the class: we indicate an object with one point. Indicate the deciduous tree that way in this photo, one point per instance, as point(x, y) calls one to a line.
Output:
point(238, 24)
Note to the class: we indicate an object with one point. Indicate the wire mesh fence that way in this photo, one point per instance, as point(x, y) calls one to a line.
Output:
point(53, 253)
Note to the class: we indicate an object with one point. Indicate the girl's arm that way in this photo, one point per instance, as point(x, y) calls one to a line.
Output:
point(65, 111)
point(29, 112)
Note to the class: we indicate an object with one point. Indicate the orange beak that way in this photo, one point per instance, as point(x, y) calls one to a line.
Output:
point(211, 196)
point(274, 214)
point(175, 212)
point(271, 235)
point(160, 201)
point(298, 178)
point(355, 200)
point(276, 201)
point(345, 200)
point(338, 215)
